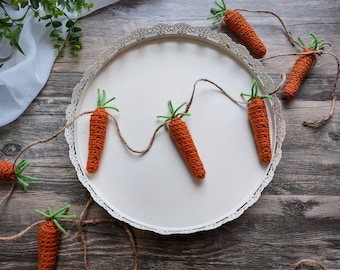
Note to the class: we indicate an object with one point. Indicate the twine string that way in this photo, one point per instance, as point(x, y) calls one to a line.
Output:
point(82, 234)
point(80, 224)
point(49, 138)
point(288, 33)
point(217, 86)
point(299, 264)
point(283, 78)
point(83, 222)
point(325, 118)
point(8, 194)
point(136, 151)
point(314, 123)
point(115, 121)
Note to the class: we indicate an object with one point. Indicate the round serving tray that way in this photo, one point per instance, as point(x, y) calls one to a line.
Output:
point(155, 191)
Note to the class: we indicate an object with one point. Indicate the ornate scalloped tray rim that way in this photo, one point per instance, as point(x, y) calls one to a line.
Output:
point(223, 40)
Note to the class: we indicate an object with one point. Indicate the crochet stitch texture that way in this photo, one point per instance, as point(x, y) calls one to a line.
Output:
point(48, 241)
point(259, 122)
point(180, 134)
point(236, 22)
point(299, 72)
point(6, 171)
point(98, 123)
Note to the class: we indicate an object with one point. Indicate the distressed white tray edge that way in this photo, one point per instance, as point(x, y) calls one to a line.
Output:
point(206, 34)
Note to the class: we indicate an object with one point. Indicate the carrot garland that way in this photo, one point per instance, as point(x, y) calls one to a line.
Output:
point(258, 118)
point(302, 66)
point(181, 136)
point(49, 236)
point(8, 172)
point(98, 126)
point(235, 21)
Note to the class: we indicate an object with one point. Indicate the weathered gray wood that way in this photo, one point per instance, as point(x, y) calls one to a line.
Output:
point(297, 217)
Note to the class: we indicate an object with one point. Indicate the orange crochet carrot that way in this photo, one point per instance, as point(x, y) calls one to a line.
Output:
point(235, 21)
point(302, 66)
point(98, 126)
point(258, 118)
point(8, 172)
point(49, 236)
point(181, 136)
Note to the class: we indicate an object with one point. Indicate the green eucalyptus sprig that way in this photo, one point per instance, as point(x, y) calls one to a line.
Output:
point(48, 11)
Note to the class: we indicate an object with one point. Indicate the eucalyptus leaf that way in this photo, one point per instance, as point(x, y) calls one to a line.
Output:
point(35, 4)
point(55, 33)
point(56, 24)
point(10, 27)
point(70, 23)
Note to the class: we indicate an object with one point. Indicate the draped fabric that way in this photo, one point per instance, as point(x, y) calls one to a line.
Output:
point(23, 76)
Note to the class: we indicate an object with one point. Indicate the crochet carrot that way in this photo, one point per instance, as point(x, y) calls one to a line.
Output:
point(8, 172)
point(49, 236)
point(181, 136)
point(235, 21)
point(302, 66)
point(258, 118)
point(98, 126)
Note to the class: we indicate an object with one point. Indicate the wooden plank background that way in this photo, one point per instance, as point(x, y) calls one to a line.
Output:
point(298, 215)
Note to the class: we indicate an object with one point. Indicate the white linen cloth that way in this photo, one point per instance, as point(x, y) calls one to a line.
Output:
point(23, 76)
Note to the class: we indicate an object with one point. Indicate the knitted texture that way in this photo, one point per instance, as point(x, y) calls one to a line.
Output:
point(299, 71)
point(238, 24)
point(258, 119)
point(180, 134)
point(6, 171)
point(98, 126)
point(48, 242)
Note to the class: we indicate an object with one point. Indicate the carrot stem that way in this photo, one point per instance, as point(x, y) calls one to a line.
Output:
point(173, 113)
point(102, 102)
point(19, 169)
point(54, 216)
point(11, 172)
point(316, 43)
point(254, 92)
point(218, 13)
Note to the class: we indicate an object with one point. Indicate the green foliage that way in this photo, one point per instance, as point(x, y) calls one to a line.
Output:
point(57, 215)
point(48, 11)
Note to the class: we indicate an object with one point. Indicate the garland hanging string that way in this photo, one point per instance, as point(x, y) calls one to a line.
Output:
point(149, 145)
point(319, 51)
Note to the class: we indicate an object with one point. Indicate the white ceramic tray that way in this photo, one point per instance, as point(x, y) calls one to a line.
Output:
point(155, 191)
